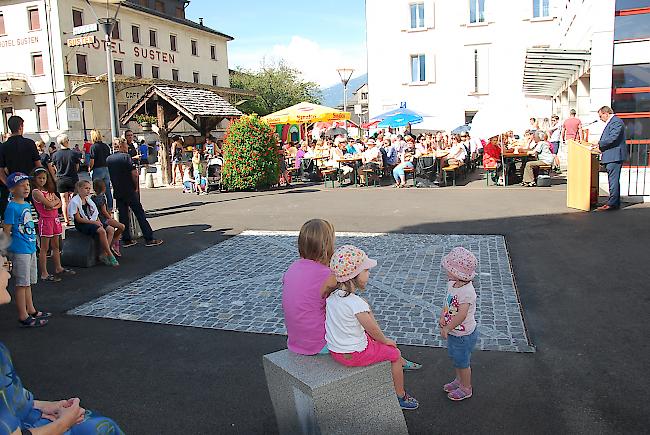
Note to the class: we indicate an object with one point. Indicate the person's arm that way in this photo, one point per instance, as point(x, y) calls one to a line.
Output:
point(68, 415)
point(80, 219)
point(3, 175)
point(136, 179)
point(7, 229)
point(104, 212)
point(36, 157)
point(91, 163)
point(369, 323)
point(456, 320)
point(48, 203)
point(51, 169)
point(329, 286)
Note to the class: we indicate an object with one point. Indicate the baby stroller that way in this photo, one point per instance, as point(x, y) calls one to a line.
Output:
point(214, 173)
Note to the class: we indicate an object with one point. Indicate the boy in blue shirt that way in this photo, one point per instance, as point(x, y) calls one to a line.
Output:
point(18, 224)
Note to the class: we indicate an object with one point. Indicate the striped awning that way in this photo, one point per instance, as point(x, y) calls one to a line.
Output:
point(547, 70)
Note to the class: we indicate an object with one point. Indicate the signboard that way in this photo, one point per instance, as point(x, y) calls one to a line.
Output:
point(74, 114)
point(81, 40)
point(358, 110)
point(88, 28)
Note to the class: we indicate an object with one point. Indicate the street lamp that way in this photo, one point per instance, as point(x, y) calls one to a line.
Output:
point(345, 74)
point(107, 24)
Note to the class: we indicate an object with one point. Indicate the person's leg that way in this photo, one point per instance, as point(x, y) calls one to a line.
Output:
point(119, 229)
point(29, 301)
point(614, 178)
point(56, 254)
point(123, 210)
point(109, 191)
point(465, 377)
point(21, 302)
point(42, 257)
point(110, 232)
point(529, 171)
point(65, 199)
point(103, 242)
point(398, 174)
point(398, 377)
point(140, 215)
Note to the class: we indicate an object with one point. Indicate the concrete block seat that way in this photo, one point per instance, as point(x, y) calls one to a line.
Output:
point(79, 250)
point(316, 395)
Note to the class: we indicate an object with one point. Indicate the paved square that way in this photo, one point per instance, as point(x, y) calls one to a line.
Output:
point(236, 285)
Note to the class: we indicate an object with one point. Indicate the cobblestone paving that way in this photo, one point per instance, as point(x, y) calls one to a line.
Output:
point(236, 285)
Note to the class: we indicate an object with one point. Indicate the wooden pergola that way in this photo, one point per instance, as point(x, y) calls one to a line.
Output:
point(203, 109)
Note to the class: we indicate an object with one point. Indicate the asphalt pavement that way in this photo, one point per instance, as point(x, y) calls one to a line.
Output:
point(582, 279)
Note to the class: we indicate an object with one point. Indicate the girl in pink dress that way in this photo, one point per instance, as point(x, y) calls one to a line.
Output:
point(47, 205)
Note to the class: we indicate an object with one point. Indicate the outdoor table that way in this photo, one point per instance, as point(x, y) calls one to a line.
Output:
point(508, 154)
point(354, 162)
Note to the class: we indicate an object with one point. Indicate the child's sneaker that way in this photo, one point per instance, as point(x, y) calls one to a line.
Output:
point(410, 366)
point(408, 402)
point(453, 385)
point(460, 393)
point(113, 261)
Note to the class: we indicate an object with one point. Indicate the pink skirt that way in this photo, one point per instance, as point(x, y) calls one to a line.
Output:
point(374, 353)
point(49, 227)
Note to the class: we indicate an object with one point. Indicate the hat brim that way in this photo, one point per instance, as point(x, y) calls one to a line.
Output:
point(368, 263)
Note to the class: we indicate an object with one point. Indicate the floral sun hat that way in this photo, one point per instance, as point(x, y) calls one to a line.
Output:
point(349, 261)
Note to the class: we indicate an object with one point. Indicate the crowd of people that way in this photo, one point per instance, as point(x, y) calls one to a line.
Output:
point(325, 314)
point(191, 165)
point(42, 195)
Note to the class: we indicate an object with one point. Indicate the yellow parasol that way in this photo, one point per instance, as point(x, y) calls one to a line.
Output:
point(306, 112)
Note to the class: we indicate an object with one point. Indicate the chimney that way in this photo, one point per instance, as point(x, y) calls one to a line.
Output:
point(201, 21)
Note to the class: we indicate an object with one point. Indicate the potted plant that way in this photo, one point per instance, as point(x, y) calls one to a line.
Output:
point(145, 121)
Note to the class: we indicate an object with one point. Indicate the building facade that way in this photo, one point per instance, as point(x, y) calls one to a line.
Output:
point(58, 83)
point(446, 58)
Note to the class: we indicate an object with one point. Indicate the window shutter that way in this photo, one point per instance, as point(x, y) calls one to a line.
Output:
point(431, 68)
point(430, 14)
point(484, 70)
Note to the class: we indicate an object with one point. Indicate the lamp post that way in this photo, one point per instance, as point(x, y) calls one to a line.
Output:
point(345, 74)
point(107, 24)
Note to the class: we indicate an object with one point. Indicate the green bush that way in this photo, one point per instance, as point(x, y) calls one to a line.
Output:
point(250, 155)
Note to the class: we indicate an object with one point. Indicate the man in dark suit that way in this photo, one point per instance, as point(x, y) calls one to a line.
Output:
point(614, 152)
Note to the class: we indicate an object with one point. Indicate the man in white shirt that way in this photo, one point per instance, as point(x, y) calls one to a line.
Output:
point(370, 159)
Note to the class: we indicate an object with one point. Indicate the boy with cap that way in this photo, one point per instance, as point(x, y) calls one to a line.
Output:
point(457, 323)
point(18, 224)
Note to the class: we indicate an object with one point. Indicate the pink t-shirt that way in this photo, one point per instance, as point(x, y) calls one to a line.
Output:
point(571, 126)
point(455, 297)
point(304, 308)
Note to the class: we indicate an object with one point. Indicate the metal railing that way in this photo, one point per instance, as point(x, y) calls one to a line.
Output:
point(638, 182)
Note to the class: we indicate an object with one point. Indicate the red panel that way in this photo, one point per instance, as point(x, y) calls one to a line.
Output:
point(634, 115)
point(631, 90)
point(637, 11)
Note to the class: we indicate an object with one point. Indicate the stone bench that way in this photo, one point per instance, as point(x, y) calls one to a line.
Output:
point(79, 250)
point(316, 395)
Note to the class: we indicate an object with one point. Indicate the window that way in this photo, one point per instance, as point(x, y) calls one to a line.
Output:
point(121, 109)
point(195, 48)
point(215, 80)
point(195, 77)
point(34, 20)
point(155, 72)
point(175, 75)
point(364, 95)
point(160, 6)
point(137, 70)
point(540, 8)
point(115, 34)
point(213, 52)
point(622, 5)
point(480, 69)
point(624, 102)
point(41, 110)
point(476, 70)
point(631, 76)
point(135, 34)
point(172, 43)
point(476, 11)
point(633, 26)
point(153, 38)
point(417, 15)
point(418, 68)
point(82, 64)
point(2, 24)
point(117, 67)
point(37, 64)
point(77, 18)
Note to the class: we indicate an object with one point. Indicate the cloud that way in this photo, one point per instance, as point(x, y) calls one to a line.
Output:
point(316, 62)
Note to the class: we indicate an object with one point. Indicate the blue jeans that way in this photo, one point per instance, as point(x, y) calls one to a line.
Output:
point(102, 174)
point(398, 172)
point(614, 178)
point(460, 348)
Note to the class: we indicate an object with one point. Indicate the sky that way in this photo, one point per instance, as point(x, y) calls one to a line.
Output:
point(315, 37)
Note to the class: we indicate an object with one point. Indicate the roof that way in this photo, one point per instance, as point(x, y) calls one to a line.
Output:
point(192, 103)
point(547, 70)
point(183, 21)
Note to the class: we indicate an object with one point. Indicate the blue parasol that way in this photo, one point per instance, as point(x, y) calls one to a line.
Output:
point(400, 120)
point(395, 112)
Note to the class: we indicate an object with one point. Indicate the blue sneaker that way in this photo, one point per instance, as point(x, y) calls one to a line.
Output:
point(408, 402)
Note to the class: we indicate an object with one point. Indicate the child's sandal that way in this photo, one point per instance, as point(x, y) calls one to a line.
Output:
point(51, 278)
point(410, 366)
point(31, 322)
point(40, 315)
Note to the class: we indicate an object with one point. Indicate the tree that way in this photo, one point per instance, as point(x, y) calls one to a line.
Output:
point(251, 158)
point(278, 86)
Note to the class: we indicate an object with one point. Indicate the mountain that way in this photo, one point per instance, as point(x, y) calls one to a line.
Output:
point(333, 96)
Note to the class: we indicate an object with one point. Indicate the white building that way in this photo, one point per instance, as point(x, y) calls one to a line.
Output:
point(60, 88)
point(446, 58)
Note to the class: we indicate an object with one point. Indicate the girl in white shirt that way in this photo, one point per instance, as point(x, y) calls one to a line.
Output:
point(353, 336)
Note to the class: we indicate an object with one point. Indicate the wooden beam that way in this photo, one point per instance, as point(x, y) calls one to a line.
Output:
point(165, 158)
point(172, 125)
